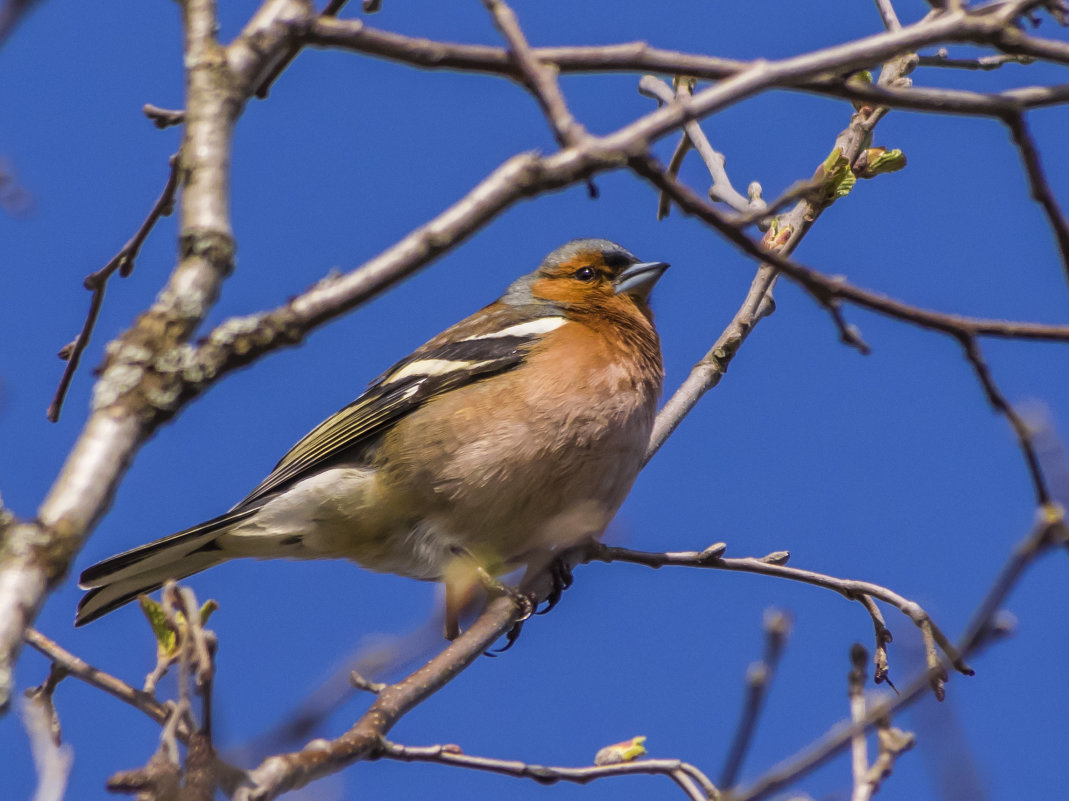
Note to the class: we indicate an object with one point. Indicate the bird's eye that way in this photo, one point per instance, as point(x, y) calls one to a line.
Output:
point(586, 274)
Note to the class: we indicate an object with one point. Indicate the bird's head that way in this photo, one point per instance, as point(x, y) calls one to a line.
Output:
point(592, 273)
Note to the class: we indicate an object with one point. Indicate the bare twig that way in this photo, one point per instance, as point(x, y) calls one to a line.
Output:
point(51, 758)
point(365, 740)
point(891, 743)
point(851, 589)
point(888, 15)
point(707, 373)
point(539, 79)
point(359, 669)
point(859, 757)
point(809, 190)
point(641, 57)
point(1012, 40)
point(1050, 531)
point(721, 189)
point(180, 726)
point(43, 696)
point(883, 639)
point(942, 59)
point(283, 772)
point(1003, 407)
point(1041, 191)
point(123, 262)
point(664, 205)
point(825, 288)
point(759, 678)
point(828, 291)
point(693, 782)
point(79, 669)
point(163, 117)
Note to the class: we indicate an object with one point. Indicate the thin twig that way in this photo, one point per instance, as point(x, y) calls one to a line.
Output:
point(883, 639)
point(1041, 191)
point(1050, 531)
point(888, 15)
point(123, 262)
point(163, 117)
point(851, 589)
point(759, 677)
point(892, 743)
point(824, 287)
point(1003, 407)
point(985, 63)
point(664, 204)
point(693, 782)
point(52, 759)
point(162, 713)
point(722, 188)
point(859, 757)
point(540, 80)
point(113, 686)
point(809, 190)
point(707, 373)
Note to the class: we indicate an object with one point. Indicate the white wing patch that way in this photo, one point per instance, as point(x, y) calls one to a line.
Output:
point(542, 325)
point(429, 367)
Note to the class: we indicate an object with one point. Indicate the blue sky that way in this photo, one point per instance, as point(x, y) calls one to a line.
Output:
point(890, 467)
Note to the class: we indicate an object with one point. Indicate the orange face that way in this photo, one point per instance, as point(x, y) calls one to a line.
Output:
point(596, 276)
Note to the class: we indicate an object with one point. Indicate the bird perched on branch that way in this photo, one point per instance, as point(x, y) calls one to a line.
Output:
point(514, 433)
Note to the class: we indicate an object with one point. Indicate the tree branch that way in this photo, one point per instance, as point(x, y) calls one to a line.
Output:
point(280, 773)
point(1050, 531)
point(355, 36)
point(123, 262)
point(692, 781)
point(1041, 191)
point(759, 677)
point(774, 565)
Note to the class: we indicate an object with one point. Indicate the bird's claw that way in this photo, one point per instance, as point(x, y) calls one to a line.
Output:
point(560, 573)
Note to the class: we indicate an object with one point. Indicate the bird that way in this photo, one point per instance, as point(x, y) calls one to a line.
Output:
point(513, 434)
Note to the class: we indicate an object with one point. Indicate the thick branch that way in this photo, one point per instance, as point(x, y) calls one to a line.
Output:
point(354, 35)
point(133, 394)
point(284, 772)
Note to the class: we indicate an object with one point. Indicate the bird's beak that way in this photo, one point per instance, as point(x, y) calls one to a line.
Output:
point(638, 279)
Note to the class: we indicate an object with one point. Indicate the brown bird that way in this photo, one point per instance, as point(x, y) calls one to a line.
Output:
point(512, 434)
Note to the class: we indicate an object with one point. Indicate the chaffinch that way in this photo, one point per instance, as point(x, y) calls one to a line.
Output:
point(515, 432)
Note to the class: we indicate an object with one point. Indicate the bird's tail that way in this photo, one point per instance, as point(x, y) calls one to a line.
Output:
point(121, 578)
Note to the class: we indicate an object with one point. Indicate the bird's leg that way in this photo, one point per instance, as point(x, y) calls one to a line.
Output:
point(463, 577)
